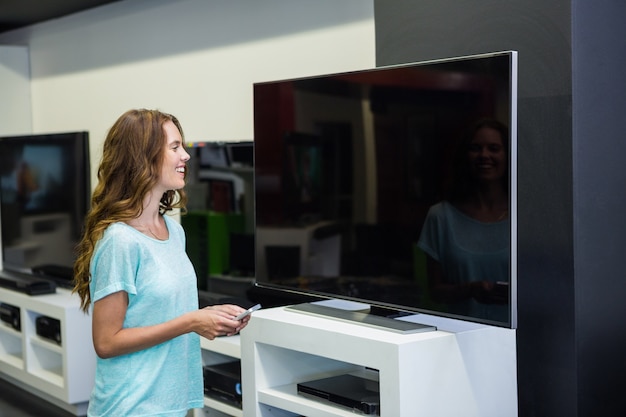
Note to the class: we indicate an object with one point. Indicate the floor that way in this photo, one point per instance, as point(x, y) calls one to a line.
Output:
point(14, 402)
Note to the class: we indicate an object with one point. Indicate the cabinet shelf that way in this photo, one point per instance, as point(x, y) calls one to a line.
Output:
point(52, 376)
point(44, 343)
point(14, 360)
point(41, 365)
point(4, 328)
point(285, 397)
point(227, 346)
point(222, 407)
point(11, 347)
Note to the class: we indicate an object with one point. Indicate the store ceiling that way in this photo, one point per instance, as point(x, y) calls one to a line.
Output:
point(15, 14)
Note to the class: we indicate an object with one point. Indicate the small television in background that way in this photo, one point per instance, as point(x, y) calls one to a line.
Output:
point(240, 154)
point(225, 154)
point(213, 155)
point(45, 193)
point(347, 166)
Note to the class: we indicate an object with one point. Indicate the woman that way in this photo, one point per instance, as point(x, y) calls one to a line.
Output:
point(466, 236)
point(134, 274)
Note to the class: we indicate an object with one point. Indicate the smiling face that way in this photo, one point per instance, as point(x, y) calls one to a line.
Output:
point(174, 159)
point(487, 155)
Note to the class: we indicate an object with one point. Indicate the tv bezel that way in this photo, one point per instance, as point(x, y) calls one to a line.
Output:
point(281, 295)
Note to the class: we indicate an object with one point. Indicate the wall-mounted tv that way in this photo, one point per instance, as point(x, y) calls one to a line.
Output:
point(393, 186)
point(44, 195)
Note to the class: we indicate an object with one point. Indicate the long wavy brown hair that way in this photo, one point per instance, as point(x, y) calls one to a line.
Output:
point(132, 158)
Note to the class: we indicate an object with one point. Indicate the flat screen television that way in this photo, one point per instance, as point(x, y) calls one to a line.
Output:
point(348, 167)
point(44, 195)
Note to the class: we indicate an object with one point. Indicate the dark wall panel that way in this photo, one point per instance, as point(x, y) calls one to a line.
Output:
point(599, 144)
point(415, 30)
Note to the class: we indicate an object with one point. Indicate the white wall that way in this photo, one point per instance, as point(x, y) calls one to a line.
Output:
point(15, 105)
point(197, 59)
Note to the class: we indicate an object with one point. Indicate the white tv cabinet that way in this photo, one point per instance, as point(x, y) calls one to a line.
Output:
point(62, 374)
point(462, 369)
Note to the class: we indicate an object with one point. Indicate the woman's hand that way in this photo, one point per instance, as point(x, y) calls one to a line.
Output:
point(219, 320)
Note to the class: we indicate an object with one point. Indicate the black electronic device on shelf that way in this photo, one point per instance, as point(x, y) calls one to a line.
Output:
point(223, 382)
point(26, 283)
point(355, 393)
point(62, 275)
point(10, 315)
point(48, 328)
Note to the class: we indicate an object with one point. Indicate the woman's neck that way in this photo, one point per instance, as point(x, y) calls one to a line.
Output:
point(150, 222)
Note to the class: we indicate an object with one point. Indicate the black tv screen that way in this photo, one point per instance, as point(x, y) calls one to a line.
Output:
point(352, 171)
point(44, 196)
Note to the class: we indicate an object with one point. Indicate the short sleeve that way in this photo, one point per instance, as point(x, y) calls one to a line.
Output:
point(114, 263)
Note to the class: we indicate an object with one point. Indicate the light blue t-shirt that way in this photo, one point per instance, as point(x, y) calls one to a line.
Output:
point(468, 250)
point(164, 380)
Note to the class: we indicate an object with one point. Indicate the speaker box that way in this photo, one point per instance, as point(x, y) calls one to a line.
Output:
point(11, 315)
point(48, 328)
point(208, 241)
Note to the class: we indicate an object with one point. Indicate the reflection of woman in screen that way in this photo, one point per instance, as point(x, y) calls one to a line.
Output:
point(466, 236)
